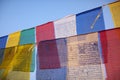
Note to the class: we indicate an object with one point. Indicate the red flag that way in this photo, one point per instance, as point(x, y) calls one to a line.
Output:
point(48, 55)
point(110, 41)
point(45, 32)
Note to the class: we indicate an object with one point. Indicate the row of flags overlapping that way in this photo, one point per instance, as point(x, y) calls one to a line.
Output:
point(84, 46)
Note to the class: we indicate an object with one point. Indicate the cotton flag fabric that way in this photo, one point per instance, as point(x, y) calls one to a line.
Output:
point(7, 62)
point(28, 37)
point(77, 47)
point(52, 60)
point(23, 58)
point(115, 9)
point(65, 27)
point(110, 42)
point(48, 55)
point(90, 21)
point(13, 39)
point(52, 54)
point(84, 60)
point(8, 54)
point(45, 32)
point(3, 41)
point(17, 60)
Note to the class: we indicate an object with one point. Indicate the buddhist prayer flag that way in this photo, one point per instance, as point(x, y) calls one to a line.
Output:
point(3, 41)
point(23, 58)
point(110, 41)
point(65, 27)
point(115, 9)
point(84, 46)
point(19, 59)
point(48, 55)
point(27, 36)
point(13, 39)
point(90, 21)
point(7, 62)
point(45, 32)
point(84, 60)
point(8, 54)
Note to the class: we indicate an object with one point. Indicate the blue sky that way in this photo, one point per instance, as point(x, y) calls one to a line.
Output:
point(18, 15)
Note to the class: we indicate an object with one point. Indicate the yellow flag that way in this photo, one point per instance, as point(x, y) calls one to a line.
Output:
point(13, 39)
point(115, 10)
point(17, 61)
point(7, 58)
point(7, 63)
point(23, 59)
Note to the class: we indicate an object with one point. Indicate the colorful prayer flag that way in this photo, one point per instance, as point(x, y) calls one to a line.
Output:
point(27, 36)
point(23, 58)
point(65, 27)
point(90, 21)
point(110, 42)
point(115, 9)
point(13, 39)
point(84, 61)
point(45, 32)
point(48, 55)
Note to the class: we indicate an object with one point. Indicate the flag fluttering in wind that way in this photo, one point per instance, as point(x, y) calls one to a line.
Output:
point(77, 47)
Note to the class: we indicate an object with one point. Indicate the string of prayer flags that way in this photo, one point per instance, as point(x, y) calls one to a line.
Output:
point(77, 47)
